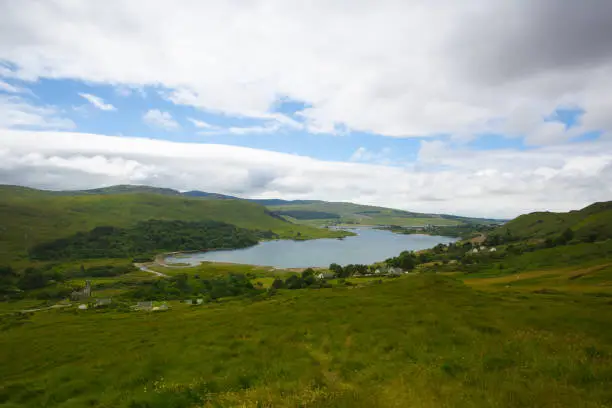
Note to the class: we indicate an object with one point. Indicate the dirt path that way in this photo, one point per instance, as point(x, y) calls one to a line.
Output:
point(45, 308)
point(144, 268)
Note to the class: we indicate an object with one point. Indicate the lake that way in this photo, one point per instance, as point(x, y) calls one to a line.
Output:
point(368, 246)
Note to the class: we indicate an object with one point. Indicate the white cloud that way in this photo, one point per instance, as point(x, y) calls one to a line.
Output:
point(201, 124)
point(499, 183)
point(16, 112)
point(249, 130)
point(97, 102)
point(273, 123)
point(6, 87)
point(157, 118)
point(365, 155)
point(367, 66)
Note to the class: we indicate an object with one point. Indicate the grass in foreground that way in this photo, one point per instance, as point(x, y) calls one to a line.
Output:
point(425, 341)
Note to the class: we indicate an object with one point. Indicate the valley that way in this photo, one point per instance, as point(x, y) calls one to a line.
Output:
point(501, 314)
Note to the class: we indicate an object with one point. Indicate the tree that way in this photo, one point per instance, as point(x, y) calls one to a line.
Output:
point(32, 278)
point(294, 282)
point(337, 269)
point(7, 272)
point(307, 272)
point(277, 284)
point(567, 235)
point(8, 277)
point(309, 280)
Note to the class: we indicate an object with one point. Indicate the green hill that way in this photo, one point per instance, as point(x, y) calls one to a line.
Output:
point(589, 224)
point(350, 213)
point(29, 216)
point(308, 212)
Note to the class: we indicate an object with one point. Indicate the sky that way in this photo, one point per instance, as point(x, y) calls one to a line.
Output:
point(481, 108)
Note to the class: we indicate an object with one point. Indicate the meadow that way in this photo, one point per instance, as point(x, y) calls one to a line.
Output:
point(421, 340)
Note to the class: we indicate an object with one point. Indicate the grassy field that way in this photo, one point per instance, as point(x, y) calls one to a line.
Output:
point(424, 341)
point(594, 280)
point(578, 256)
point(28, 216)
point(216, 269)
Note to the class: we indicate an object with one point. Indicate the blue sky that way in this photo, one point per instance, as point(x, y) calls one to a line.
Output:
point(131, 104)
point(297, 100)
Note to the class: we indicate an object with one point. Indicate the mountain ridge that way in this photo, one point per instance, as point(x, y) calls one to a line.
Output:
point(345, 211)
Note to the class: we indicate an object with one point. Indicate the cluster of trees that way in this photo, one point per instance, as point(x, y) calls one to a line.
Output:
point(458, 231)
point(405, 260)
point(13, 282)
point(563, 239)
point(181, 287)
point(100, 271)
point(349, 270)
point(48, 281)
point(146, 237)
point(304, 280)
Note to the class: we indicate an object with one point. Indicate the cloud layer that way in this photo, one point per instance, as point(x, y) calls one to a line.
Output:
point(394, 67)
point(499, 183)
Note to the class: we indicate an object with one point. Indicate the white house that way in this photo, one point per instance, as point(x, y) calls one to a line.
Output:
point(103, 302)
point(493, 250)
point(394, 271)
point(148, 305)
point(326, 275)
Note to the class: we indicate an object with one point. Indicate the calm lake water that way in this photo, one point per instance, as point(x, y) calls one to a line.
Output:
point(369, 246)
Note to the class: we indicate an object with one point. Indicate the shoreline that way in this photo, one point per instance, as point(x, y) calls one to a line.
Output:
point(161, 259)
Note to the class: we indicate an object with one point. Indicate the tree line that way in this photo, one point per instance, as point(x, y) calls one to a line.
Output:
point(181, 287)
point(51, 281)
point(145, 238)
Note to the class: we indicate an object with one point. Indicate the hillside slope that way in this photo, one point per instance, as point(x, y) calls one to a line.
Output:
point(418, 341)
point(350, 213)
point(590, 223)
point(29, 216)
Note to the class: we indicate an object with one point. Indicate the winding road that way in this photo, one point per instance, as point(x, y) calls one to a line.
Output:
point(144, 268)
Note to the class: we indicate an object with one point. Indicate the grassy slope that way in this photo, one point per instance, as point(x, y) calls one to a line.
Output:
point(421, 341)
point(594, 280)
point(30, 216)
point(351, 212)
point(594, 218)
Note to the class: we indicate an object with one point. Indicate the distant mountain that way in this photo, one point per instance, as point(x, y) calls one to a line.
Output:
point(316, 212)
point(276, 201)
point(215, 196)
point(123, 189)
point(312, 212)
point(593, 222)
